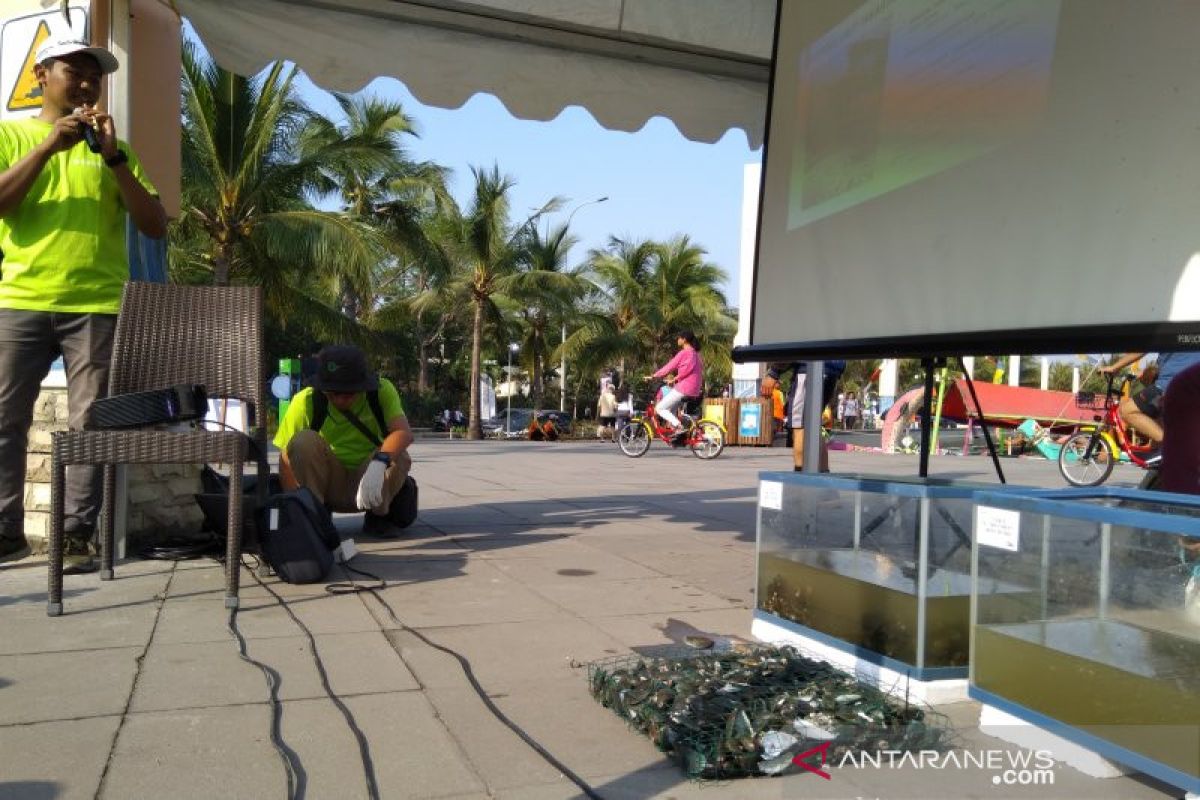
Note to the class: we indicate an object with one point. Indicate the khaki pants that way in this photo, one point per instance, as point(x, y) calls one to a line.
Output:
point(316, 467)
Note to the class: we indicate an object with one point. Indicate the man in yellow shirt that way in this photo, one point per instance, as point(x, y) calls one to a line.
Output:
point(67, 186)
point(346, 439)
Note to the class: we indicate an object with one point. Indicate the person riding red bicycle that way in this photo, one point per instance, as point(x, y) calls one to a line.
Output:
point(688, 381)
point(1143, 411)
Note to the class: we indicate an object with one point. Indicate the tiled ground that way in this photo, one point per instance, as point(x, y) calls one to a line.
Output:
point(528, 560)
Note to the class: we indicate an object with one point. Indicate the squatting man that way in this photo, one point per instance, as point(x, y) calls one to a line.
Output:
point(346, 439)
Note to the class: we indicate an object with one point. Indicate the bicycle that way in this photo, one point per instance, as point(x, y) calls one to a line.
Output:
point(705, 438)
point(1088, 456)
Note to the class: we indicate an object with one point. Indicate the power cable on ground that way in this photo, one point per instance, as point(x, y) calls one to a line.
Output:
point(465, 664)
point(364, 747)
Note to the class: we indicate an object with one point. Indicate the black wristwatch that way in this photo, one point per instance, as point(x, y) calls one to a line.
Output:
point(383, 458)
point(118, 159)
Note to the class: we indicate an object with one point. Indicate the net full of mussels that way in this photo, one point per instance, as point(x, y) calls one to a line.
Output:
point(749, 712)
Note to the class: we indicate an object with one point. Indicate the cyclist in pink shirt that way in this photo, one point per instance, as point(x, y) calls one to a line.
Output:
point(688, 380)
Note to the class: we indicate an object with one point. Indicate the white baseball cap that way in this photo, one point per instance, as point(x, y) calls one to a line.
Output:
point(56, 48)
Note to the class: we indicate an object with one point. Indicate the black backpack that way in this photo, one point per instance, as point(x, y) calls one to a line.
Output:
point(297, 536)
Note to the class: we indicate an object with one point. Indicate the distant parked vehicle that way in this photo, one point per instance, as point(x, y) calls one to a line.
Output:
point(509, 424)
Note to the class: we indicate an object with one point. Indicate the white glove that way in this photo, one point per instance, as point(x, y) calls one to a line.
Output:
point(370, 488)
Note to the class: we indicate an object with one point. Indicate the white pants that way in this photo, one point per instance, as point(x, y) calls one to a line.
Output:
point(666, 406)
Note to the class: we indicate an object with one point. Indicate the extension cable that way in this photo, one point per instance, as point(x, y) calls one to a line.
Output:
point(364, 747)
point(292, 766)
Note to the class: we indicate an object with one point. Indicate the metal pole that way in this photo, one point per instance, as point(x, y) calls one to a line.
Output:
point(1105, 569)
point(814, 383)
point(562, 380)
point(926, 417)
point(508, 392)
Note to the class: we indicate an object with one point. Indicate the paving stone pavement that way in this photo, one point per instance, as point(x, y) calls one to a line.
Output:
point(528, 560)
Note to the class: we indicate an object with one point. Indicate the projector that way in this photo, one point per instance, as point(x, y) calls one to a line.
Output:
point(140, 409)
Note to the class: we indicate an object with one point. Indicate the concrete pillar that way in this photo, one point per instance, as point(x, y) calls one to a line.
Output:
point(1014, 370)
point(969, 364)
point(889, 375)
point(1045, 373)
point(746, 377)
point(1074, 379)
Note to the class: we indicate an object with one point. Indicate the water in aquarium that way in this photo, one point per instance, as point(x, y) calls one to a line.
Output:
point(1136, 687)
point(869, 599)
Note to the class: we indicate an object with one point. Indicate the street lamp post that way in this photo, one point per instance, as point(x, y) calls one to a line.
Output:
point(562, 380)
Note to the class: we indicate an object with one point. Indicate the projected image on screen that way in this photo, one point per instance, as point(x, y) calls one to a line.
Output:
point(983, 174)
point(902, 90)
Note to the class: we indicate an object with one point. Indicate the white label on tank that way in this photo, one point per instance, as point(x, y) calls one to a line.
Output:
point(273, 519)
point(771, 495)
point(998, 527)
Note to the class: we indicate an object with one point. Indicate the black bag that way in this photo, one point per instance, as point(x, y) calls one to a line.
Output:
point(297, 536)
point(403, 510)
point(214, 504)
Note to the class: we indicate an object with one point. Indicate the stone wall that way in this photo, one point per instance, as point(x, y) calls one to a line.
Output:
point(160, 495)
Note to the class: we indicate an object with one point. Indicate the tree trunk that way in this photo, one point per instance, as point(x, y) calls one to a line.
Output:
point(423, 345)
point(351, 302)
point(422, 358)
point(221, 266)
point(536, 379)
point(538, 342)
point(475, 424)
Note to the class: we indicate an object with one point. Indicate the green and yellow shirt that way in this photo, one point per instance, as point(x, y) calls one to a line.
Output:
point(64, 246)
point(346, 441)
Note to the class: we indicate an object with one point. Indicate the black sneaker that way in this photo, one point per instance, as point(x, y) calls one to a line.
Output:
point(13, 549)
point(378, 527)
point(13, 545)
point(403, 509)
point(78, 555)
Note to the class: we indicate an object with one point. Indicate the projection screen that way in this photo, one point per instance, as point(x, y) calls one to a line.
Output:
point(950, 176)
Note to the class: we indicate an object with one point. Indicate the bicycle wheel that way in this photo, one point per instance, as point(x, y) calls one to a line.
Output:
point(634, 439)
point(707, 440)
point(1086, 459)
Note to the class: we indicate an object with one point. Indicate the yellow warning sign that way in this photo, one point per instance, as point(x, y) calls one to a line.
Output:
point(27, 92)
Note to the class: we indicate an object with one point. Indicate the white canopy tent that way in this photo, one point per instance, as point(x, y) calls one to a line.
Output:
point(703, 64)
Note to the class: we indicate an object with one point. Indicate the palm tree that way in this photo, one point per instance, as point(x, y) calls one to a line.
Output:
point(545, 289)
point(683, 294)
point(377, 183)
point(610, 330)
point(246, 214)
point(486, 250)
point(650, 292)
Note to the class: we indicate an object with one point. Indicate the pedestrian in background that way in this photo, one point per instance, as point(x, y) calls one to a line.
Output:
point(606, 414)
point(850, 412)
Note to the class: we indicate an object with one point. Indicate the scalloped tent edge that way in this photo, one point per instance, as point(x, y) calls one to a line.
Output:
point(702, 65)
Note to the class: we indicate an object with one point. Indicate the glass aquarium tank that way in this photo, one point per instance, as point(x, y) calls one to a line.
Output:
point(1104, 650)
point(877, 567)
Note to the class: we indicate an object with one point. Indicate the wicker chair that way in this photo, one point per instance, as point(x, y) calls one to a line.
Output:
point(168, 335)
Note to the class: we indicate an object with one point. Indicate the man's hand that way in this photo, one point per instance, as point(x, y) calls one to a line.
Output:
point(370, 488)
point(106, 130)
point(64, 134)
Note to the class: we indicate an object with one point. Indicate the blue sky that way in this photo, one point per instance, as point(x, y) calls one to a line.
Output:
point(657, 182)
